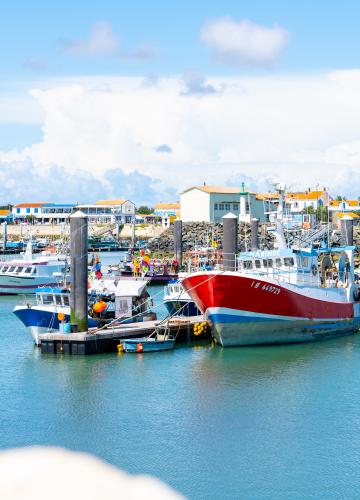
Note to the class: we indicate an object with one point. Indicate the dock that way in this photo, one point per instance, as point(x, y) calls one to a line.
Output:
point(95, 341)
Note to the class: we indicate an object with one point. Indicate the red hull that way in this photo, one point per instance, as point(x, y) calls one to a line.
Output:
point(246, 293)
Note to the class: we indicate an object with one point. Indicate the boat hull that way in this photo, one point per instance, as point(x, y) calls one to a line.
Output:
point(237, 328)
point(155, 279)
point(13, 285)
point(147, 345)
point(247, 310)
point(38, 320)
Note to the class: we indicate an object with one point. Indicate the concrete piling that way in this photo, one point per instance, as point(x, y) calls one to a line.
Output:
point(178, 241)
point(79, 270)
point(347, 230)
point(230, 238)
point(254, 234)
point(133, 228)
point(4, 234)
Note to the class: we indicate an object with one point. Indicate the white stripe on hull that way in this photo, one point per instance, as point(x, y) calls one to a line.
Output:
point(242, 328)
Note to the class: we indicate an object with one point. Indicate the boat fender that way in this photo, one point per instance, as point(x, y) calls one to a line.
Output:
point(314, 270)
point(139, 347)
point(356, 294)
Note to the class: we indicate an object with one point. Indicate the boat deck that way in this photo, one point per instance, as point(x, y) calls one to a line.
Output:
point(95, 341)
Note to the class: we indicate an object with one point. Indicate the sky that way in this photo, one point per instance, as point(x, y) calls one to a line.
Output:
point(144, 99)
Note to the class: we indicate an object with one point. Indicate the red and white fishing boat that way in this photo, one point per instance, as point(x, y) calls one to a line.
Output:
point(280, 296)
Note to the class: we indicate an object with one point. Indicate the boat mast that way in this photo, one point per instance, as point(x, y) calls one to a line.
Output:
point(277, 217)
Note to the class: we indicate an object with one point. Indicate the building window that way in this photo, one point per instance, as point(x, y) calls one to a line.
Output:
point(247, 207)
point(18, 210)
point(235, 207)
point(221, 206)
point(28, 210)
point(36, 210)
point(215, 206)
point(227, 206)
point(296, 204)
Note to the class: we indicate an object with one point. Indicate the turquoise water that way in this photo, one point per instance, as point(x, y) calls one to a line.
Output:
point(252, 423)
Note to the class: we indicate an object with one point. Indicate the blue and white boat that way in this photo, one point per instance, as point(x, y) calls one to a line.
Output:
point(41, 316)
point(126, 300)
point(177, 300)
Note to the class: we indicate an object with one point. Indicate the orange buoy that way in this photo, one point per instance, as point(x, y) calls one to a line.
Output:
point(139, 347)
point(99, 307)
point(61, 316)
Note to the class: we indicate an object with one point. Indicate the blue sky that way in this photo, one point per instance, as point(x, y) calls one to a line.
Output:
point(324, 35)
point(178, 94)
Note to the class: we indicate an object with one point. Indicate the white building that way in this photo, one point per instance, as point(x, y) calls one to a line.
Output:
point(210, 204)
point(314, 199)
point(110, 211)
point(21, 211)
point(344, 206)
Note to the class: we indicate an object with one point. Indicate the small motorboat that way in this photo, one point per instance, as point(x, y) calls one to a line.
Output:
point(159, 340)
point(147, 344)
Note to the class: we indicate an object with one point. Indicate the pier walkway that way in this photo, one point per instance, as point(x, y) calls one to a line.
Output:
point(95, 341)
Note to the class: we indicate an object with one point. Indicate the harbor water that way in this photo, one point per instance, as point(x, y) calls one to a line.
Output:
point(273, 422)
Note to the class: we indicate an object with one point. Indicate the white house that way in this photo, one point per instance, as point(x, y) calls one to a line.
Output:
point(110, 211)
point(55, 213)
point(210, 204)
point(344, 206)
point(23, 210)
point(297, 202)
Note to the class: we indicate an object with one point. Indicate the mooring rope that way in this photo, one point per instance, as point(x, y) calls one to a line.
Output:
point(116, 320)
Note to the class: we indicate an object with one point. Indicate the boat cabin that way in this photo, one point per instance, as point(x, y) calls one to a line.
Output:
point(15, 269)
point(294, 266)
point(27, 269)
point(125, 297)
point(52, 297)
point(330, 267)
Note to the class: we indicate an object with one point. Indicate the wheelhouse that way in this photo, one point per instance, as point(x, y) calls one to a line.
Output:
point(285, 264)
point(48, 297)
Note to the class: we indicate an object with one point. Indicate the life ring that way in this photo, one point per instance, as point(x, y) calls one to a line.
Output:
point(314, 270)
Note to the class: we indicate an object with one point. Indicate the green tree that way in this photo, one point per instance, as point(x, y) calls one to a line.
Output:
point(144, 210)
point(31, 218)
point(321, 213)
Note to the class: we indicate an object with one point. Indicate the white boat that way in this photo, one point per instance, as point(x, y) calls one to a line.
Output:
point(27, 273)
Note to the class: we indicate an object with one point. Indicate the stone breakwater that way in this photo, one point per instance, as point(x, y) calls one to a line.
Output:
point(200, 234)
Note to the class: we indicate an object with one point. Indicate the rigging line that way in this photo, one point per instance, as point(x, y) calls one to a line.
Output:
point(162, 321)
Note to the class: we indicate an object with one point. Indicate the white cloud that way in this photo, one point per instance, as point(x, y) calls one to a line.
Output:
point(301, 129)
point(244, 42)
point(24, 181)
point(102, 42)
